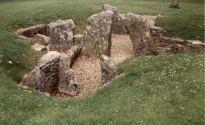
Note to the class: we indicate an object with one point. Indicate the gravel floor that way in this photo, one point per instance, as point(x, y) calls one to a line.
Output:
point(122, 49)
point(88, 74)
point(87, 69)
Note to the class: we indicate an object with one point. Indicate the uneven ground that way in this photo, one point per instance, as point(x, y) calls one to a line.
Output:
point(167, 89)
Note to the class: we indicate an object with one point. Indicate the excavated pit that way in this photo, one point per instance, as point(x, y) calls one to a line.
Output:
point(88, 70)
point(78, 64)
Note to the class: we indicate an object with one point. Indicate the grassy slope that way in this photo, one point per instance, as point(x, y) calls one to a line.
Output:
point(168, 91)
point(113, 104)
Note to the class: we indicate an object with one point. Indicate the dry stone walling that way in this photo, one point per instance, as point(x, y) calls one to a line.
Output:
point(30, 32)
point(45, 75)
point(54, 73)
point(55, 36)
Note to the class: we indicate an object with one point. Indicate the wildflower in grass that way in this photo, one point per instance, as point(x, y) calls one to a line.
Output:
point(29, 91)
point(10, 62)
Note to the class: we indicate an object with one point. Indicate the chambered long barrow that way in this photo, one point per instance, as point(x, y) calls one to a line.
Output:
point(77, 65)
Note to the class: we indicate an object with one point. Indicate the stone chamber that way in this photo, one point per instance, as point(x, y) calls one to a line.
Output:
point(77, 65)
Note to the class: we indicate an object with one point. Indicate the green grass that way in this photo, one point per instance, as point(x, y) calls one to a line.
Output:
point(169, 91)
point(155, 90)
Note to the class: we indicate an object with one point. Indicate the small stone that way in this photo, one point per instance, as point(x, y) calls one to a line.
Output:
point(109, 7)
point(108, 72)
point(41, 39)
point(49, 57)
point(38, 47)
point(196, 42)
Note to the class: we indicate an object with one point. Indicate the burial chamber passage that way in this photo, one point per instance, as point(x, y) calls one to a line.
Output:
point(60, 72)
point(101, 26)
point(77, 65)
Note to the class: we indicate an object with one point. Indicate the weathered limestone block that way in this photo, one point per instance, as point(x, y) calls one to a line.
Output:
point(118, 26)
point(61, 35)
point(38, 47)
point(97, 37)
point(53, 73)
point(67, 83)
point(111, 8)
point(41, 39)
point(155, 31)
point(74, 52)
point(108, 71)
point(140, 35)
point(32, 31)
point(45, 76)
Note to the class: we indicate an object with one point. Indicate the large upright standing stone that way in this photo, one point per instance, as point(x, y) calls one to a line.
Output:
point(67, 82)
point(61, 35)
point(139, 32)
point(118, 26)
point(97, 37)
